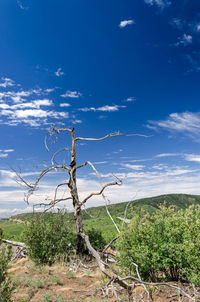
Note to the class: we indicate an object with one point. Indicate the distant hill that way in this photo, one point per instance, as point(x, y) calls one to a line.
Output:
point(148, 204)
point(98, 217)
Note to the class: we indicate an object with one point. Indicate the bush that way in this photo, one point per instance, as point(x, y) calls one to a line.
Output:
point(96, 239)
point(6, 286)
point(48, 237)
point(165, 246)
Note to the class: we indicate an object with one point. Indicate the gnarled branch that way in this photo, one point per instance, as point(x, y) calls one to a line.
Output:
point(107, 136)
point(100, 192)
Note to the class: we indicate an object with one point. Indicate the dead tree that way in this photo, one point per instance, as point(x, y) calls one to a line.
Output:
point(72, 182)
point(78, 204)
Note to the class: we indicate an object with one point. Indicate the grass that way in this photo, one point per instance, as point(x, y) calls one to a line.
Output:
point(70, 274)
point(12, 229)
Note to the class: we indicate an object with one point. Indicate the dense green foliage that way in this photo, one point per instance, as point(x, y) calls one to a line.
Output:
point(165, 245)
point(6, 287)
point(96, 239)
point(48, 239)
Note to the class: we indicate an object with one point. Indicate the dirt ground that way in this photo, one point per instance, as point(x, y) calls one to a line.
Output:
point(59, 283)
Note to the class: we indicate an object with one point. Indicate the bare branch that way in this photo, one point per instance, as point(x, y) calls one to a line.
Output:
point(52, 203)
point(109, 244)
point(45, 142)
point(42, 174)
point(100, 192)
point(20, 180)
point(125, 220)
point(138, 274)
point(91, 216)
point(57, 131)
point(84, 164)
point(157, 284)
point(56, 153)
point(109, 135)
point(56, 190)
point(103, 196)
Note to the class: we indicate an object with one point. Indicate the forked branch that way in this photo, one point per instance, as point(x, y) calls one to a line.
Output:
point(100, 192)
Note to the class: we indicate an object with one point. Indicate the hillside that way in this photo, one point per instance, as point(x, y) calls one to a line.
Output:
point(150, 204)
point(99, 219)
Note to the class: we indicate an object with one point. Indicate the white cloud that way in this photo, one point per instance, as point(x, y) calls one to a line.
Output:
point(193, 157)
point(21, 5)
point(65, 105)
point(124, 23)
point(71, 94)
point(166, 155)
point(177, 23)
point(9, 150)
point(76, 122)
point(198, 27)
point(156, 180)
point(59, 72)
point(134, 167)
point(187, 123)
point(159, 3)
point(194, 62)
point(184, 40)
point(19, 96)
point(130, 99)
point(108, 108)
point(22, 107)
point(6, 82)
point(4, 153)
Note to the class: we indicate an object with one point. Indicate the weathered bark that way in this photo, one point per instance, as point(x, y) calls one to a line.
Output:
point(75, 199)
point(20, 244)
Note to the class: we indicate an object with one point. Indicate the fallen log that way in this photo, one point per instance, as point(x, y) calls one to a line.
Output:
point(15, 243)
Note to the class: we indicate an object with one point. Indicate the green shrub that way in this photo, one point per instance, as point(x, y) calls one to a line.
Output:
point(96, 239)
point(48, 238)
point(165, 246)
point(6, 286)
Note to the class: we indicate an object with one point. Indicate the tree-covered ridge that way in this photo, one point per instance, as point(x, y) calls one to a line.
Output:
point(150, 204)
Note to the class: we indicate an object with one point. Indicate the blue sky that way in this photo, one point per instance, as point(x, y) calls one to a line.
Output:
point(100, 66)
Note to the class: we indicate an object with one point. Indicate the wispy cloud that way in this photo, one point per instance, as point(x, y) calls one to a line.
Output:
point(65, 105)
point(59, 72)
point(192, 157)
point(194, 62)
point(130, 99)
point(23, 4)
point(167, 155)
point(6, 82)
point(184, 40)
point(108, 108)
point(124, 23)
point(71, 94)
point(197, 27)
point(159, 3)
point(4, 153)
point(134, 167)
point(178, 23)
point(187, 123)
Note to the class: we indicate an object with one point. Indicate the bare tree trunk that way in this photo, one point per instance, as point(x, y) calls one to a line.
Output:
point(74, 193)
